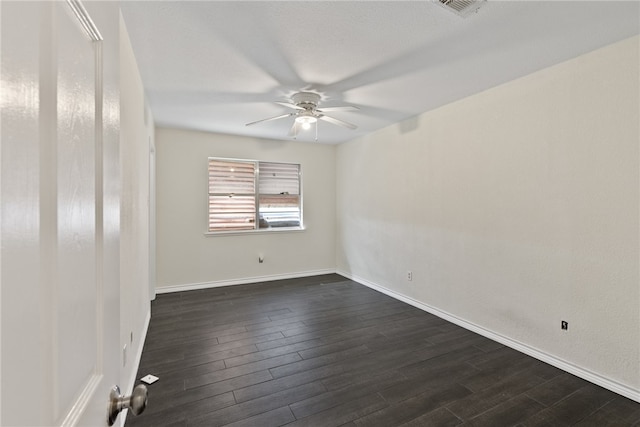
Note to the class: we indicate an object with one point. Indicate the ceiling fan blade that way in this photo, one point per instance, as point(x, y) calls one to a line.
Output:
point(338, 122)
point(339, 108)
point(282, 116)
point(289, 105)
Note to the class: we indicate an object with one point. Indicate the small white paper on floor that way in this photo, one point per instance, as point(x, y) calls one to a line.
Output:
point(149, 379)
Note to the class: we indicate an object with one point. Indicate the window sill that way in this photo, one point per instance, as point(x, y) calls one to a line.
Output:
point(259, 231)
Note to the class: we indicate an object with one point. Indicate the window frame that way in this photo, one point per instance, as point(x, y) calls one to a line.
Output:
point(256, 222)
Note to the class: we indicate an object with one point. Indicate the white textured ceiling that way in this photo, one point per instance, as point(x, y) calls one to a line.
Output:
point(214, 66)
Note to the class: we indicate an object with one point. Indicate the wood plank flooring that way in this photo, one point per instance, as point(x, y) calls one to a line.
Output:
point(326, 351)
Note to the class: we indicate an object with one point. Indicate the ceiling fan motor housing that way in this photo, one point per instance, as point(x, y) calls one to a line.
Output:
point(306, 100)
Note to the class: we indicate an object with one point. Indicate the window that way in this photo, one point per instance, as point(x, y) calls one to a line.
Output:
point(251, 195)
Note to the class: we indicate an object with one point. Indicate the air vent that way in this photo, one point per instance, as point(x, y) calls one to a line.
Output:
point(461, 7)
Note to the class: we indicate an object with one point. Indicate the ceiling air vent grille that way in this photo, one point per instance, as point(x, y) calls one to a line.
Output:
point(461, 7)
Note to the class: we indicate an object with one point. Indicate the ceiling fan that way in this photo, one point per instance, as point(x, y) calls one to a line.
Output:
point(307, 113)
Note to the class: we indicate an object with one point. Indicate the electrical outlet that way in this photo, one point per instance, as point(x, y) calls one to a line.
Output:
point(409, 275)
point(564, 325)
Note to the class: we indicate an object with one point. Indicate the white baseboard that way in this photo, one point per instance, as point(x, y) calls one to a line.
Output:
point(241, 281)
point(578, 371)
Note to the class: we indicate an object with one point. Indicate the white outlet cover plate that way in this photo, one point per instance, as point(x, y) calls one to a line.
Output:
point(149, 379)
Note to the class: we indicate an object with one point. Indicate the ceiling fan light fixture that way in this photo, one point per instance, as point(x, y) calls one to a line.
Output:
point(306, 121)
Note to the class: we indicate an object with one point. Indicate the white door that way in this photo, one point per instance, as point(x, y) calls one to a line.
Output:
point(60, 212)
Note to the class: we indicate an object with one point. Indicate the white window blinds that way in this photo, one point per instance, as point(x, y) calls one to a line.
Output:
point(232, 195)
point(279, 195)
point(245, 195)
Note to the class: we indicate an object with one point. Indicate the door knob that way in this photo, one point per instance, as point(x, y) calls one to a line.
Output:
point(137, 402)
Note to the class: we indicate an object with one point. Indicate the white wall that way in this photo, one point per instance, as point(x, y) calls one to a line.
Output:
point(186, 258)
point(515, 209)
point(136, 137)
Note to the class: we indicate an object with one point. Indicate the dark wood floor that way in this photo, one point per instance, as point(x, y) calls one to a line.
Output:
point(326, 351)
